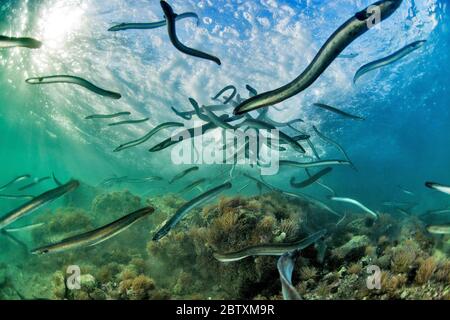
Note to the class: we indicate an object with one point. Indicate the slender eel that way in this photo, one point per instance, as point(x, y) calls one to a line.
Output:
point(348, 56)
point(74, 80)
point(14, 181)
point(139, 141)
point(285, 266)
point(96, 236)
point(275, 249)
point(171, 27)
point(191, 133)
point(186, 115)
point(227, 88)
point(34, 183)
point(128, 122)
point(152, 25)
point(396, 56)
point(313, 148)
point(322, 163)
point(25, 228)
point(356, 26)
point(303, 197)
point(337, 145)
point(192, 185)
point(107, 116)
point(183, 173)
point(14, 240)
point(37, 203)
point(197, 110)
point(333, 193)
point(337, 111)
point(16, 197)
point(218, 120)
point(55, 180)
point(141, 180)
point(406, 191)
point(356, 203)
point(252, 91)
point(311, 179)
point(258, 124)
point(438, 187)
point(185, 209)
point(439, 229)
point(8, 42)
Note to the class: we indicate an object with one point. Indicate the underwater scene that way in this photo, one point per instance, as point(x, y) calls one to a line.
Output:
point(224, 150)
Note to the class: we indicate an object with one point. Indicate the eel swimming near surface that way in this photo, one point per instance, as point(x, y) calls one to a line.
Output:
point(353, 28)
point(252, 91)
point(438, 187)
point(145, 138)
point(285, 266)
point(275, 249)
point(186, 208)
point(356, 203)
point(259, 124)
point(96, 236)
point(191, 133)
point(339, 112)
point(227, 88)
point(107, 116)
point(197, 110)
point(11, 42)
point(171, 28)
point(37, 203)
point(74, 80)
point(152, 25)
point(348, 56)
point(396, 56)
point(128, 122)
point(311, 179)
point(218, 121)
point(186, 115)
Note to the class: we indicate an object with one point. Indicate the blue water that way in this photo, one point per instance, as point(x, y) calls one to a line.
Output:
point(404, 140)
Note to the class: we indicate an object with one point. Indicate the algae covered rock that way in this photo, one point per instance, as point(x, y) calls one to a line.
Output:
point(354, 249)
point(115, 203)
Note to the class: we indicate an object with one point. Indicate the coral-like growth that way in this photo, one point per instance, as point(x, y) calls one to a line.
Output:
point(404, 257)
point(426, 270)
point(413, 265)
point(137, 288)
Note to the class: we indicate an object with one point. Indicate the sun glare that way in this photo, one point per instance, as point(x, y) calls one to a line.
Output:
point(59, 22)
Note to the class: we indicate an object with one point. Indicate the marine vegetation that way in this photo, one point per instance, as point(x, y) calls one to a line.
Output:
point(413, 265)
